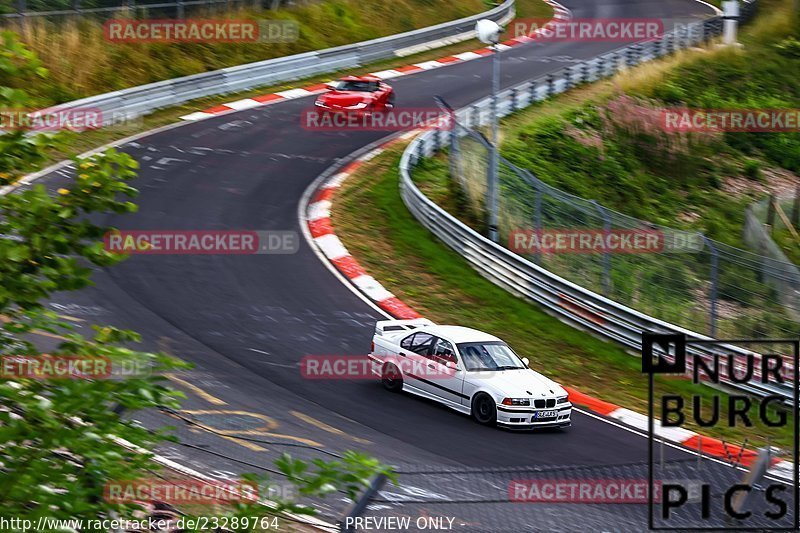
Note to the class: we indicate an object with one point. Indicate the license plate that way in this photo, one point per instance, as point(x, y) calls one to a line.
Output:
point(545, 414)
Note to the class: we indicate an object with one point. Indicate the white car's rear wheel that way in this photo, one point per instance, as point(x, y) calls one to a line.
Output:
point(484, 410)
point(391, 378)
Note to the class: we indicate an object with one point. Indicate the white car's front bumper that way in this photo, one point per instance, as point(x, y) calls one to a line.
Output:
point(526, 417)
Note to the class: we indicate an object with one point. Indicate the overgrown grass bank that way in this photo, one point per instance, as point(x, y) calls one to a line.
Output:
point(608, 144)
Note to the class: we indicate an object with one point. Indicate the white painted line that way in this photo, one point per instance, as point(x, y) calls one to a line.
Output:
point(503, 47)
point(782, 469)
point(198, 115)
point(294, 93)
point(428, 65)
point(371, 155)
point(336, 181)
point(386, 74)
point(247, 103)
point(331, 246)
point(640, 421)
point(372, 288)
point(318, 210)
point(466, 56)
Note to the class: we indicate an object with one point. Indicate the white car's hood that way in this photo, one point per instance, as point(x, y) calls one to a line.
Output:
point(518, 383)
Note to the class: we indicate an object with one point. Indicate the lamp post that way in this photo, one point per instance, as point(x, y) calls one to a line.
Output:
point(731, 18)
point(489, 32)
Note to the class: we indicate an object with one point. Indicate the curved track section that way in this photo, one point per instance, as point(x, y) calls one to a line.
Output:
point(246, 321)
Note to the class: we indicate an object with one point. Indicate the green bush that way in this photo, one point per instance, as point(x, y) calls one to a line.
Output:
point(752, 169)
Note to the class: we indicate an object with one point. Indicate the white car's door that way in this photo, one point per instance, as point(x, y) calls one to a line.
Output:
point(444, 375)
point(413, 356)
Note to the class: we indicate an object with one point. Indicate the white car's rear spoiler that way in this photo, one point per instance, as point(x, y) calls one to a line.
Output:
point(388, 326)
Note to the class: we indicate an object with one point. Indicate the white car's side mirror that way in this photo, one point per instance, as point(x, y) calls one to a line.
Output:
point(526, 361)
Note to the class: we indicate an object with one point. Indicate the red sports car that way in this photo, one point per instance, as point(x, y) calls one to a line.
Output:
point(364, 94)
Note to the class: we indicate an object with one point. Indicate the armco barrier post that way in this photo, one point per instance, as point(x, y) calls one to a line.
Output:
point(532, 97)
point(606, 281)
point(712, 290)
point(455, 164)
point(537, 209)
point(492, 190)
point(358, 507)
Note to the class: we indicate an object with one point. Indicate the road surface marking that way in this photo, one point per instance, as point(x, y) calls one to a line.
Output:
point(325, 427)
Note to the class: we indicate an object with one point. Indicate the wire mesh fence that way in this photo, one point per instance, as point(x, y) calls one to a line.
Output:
point(686, 279)
point(562, 498)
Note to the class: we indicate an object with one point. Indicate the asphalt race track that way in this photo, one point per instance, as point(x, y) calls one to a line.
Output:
point(247, 320)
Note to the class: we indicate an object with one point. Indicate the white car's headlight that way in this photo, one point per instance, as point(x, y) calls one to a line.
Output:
point(516, 401)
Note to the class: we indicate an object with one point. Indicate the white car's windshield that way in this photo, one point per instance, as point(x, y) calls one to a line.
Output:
point(489, 356)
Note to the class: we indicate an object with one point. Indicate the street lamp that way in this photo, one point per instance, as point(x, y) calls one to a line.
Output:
point(489, 32)
point(730, 17)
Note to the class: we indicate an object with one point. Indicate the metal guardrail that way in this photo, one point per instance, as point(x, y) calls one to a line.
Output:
point(568, 301)
point(131, 103)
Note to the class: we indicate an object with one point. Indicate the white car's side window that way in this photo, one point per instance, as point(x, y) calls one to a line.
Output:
point(443, 352)
point(407, 342)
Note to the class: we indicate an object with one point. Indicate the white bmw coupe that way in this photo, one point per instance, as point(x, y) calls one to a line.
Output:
point(469, 371)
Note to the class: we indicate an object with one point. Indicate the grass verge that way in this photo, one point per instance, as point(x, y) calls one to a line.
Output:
point(377, 229)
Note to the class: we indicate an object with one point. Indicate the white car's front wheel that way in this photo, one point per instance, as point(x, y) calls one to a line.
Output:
point(484, 410)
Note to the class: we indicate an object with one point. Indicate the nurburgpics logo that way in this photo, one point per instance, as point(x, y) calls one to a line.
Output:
point(734, 384)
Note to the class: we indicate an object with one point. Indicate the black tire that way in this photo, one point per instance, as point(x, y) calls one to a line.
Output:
point(484, 410)
point(391, 378)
